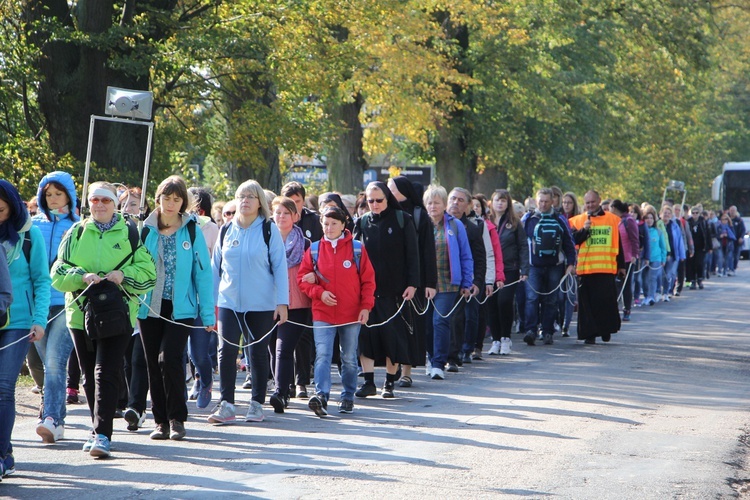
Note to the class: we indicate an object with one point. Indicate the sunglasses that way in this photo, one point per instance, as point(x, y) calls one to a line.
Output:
point(375, 200)
point(103, 201)
point(230, 213)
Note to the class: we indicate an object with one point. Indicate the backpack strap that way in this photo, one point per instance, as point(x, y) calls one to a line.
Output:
point(267, 238)
point(26, 246)
point(314, 249)
point(135, 241)
point(357, 247)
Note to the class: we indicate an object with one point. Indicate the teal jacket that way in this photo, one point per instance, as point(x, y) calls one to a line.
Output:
point(193, 281)
point(30, 280)
point(92, 251)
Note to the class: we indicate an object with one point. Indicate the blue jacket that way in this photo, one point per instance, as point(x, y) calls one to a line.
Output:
point(52, 226)
point(30, 280)
point(243, 280)
point(657, 247)
point(726, 228)
point(677, 241)
point(193, 280)
point(459, 252)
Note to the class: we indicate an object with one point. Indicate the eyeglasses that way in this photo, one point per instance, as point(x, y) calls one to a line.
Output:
point(247, 197)
point(375, 200)
point(103, 201)
point(230, 213)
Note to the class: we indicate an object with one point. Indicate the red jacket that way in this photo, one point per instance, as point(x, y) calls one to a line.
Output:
point(495, 239)
point(354, 290)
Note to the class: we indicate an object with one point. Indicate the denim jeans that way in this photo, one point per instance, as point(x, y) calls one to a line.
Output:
point(348, 339)
point(726, 261)
point(542, 280)
point(11, 360)
point(54, 349)
point(251, 325)
point(472, 310)
point(199, 353)
point(651, 280)
point(670, 275)
point(439, 332)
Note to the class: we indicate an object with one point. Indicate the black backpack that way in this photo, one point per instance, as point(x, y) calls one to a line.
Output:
point(266, 238)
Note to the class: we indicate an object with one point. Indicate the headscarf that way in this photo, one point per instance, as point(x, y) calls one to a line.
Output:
point(18, 216)
point(411, 190)
point(392, 201)
point(333, 197)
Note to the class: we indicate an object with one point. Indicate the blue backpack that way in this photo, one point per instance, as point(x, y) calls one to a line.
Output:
point(315, 248)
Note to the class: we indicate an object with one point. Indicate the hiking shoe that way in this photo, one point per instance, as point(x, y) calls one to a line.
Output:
point(254, 413)
point(302, 392)
point(495, 349)
point(405, 381)
point(366, 389)
point(346, 406)
point(205, 394)
point(548, 339)
point(248, 383)
point(626, 315)
point(452, 367)
point(193, 395)
point(530, 338)
point(49, 432)
point(101, 447)
point(277, 402)
point(437, 374)
point(318, 405)
point(505, 346)
point(134, 419)
point(176, 430)
point(161, 432)
point(88, 444)
point(477, 355)
point(388, 391)
point(224, 413)
point(72, 396)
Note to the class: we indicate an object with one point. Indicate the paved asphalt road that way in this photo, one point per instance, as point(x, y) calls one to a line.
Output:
point(659, 412)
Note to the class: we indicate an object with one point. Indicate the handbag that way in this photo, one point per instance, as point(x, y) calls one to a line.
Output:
point(106, 311)
point(715, 244)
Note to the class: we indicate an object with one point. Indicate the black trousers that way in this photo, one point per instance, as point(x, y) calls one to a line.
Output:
point(101, 365)
point(164, 345)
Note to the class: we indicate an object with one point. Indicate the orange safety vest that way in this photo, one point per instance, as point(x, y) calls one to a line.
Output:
point(598, 254)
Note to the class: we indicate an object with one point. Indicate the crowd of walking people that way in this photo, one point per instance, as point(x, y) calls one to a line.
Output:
point(296, 288)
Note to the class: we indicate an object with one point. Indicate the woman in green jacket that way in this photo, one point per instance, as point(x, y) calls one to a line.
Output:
point(101, 248)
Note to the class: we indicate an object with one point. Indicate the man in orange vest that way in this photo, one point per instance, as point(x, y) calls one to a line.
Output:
point(600, 259)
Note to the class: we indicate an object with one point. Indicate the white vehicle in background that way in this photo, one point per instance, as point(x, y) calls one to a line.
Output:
point(732, 187)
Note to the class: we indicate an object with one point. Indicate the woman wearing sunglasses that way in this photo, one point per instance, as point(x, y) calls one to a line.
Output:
point(390, 239)
point(94, 250)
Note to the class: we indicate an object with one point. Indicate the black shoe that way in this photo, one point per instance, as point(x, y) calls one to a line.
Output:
point(548, 339)
point(530, 338)
point(590, 341)
point(366, 389)
point(467, 358)
point(693, 285)
point(277, 402)
point(606, 337)
point(346, 406)
point(388, 390)
point(565, 332)
point(452, 367)
point(318, 405)
point(700, 285)
point(405, 381)
point(118, 413)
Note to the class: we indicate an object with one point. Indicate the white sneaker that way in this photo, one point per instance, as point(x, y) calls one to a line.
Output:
point(254, 413)
point(495, 349)
point(505, 346)
point(437, 374)
point(195, 390)
point(224, 413)
point(50, 432)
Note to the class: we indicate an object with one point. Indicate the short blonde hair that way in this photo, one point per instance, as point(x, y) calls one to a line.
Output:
point(252, 187)
point(435, 191)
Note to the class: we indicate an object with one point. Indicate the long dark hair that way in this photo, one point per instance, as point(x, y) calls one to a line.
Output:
point(18, 213)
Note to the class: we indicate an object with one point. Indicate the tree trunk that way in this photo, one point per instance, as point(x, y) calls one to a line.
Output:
point(451, 166)
point(346, 162)
point(492, 178)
